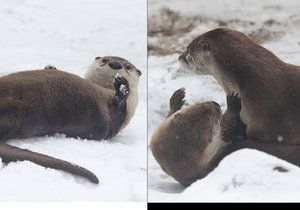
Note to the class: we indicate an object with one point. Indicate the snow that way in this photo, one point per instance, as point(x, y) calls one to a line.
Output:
point(252, 179)
point(246, 175)
point(123, 89)
point(69, 34)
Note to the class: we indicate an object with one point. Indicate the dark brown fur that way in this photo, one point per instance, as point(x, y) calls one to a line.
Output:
point(37, 103)
point(179, 144)
point(44, 102)
point(188, 144)
point(269, 87)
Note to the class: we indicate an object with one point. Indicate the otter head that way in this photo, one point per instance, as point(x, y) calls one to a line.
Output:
point(197, 57)
point(209, 115)
point(222, 48)
point(104, 69)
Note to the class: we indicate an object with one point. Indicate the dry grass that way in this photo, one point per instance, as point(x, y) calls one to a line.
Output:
point(169, 31)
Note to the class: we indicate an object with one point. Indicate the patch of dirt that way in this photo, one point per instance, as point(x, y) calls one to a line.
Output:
point(170, 31)
point(264, 34)
point(280, 169)
point(168, 23)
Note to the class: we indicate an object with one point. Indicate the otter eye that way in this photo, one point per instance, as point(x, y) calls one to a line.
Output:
point(97, 58)
point(105, 60)
point(128, 67)
point(139, 72)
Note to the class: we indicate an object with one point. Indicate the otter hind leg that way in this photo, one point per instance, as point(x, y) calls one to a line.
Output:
point(176, 101)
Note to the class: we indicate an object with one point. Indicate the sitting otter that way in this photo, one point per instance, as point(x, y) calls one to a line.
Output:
point(269, 87)
point(48, 101)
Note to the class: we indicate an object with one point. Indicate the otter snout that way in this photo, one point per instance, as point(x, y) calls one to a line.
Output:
point(115, 65)
point(182, 58)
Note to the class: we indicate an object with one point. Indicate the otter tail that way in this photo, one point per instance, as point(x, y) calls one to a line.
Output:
point(10, 153)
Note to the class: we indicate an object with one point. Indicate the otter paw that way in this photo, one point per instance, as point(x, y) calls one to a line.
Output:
point(121, 85)
point(234, 102)
point(50, 67)
point(176, 100)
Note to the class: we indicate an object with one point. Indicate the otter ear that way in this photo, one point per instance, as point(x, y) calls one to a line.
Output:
point(139, 72)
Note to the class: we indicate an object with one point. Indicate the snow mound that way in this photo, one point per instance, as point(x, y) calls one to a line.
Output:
point(247, 175)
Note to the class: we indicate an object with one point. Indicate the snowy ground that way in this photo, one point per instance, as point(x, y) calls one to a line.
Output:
point(69, 34)
point(246, 175)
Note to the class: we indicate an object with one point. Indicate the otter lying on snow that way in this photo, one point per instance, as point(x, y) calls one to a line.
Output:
point(48, 101)
point(191, 142)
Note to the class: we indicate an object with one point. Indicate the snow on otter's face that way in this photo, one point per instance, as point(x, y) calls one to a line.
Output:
point(104, 69)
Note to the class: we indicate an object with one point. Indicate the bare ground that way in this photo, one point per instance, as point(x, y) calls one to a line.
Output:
point(170, 31)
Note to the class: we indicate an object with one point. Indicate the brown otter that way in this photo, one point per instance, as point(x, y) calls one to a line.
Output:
point(44, 102)
point(269, 88)
point(191, 142)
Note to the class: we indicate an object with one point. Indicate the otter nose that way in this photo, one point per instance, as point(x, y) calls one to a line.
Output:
point(182, 57)
point(215, 103)
point(115, 65)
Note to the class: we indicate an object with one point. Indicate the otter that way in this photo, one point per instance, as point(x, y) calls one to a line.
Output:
point(188, 143)
point(269, 87)
point(48, 101)
point(192, 141)
point(105, 69)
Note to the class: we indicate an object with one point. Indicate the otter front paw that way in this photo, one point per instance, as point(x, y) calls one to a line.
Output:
point(50, 67)
point(176, 100)
point(234, 102)
point(122, 87)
